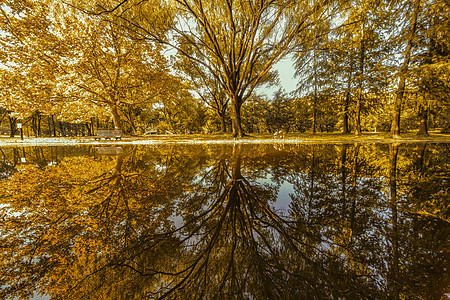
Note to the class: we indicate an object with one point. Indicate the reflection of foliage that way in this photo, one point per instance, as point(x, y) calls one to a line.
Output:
point(6, 170)
point(186, 222)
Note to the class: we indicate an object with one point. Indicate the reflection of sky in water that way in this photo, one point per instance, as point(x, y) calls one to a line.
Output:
point(328, 229)
point(284, 198)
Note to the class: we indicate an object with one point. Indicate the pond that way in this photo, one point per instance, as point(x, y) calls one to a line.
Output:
point(247, 221)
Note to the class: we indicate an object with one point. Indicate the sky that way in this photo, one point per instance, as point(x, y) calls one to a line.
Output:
point(286, 73)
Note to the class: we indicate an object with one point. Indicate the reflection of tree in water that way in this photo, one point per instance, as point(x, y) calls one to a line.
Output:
point(419, 228)
point(333, 225)
point(228, 239)
point(181, 223)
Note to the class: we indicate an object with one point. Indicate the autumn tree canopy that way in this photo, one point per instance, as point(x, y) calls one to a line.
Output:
point(360, 65)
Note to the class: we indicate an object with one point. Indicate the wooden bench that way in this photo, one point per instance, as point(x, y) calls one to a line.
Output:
point(108, 134)
point(151, 131)
point(110, 150)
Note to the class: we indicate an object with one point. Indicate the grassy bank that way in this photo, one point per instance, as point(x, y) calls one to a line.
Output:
point(217, 138)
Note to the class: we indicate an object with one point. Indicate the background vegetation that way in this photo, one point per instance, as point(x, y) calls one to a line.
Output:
point(201, 66)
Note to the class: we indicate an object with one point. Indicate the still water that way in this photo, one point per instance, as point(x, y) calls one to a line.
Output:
point(308, 221)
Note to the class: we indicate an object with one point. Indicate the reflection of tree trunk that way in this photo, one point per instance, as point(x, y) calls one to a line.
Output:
point(16, 156)
point(236, 163)
point(344, 176)
point(420, 161)
point(394, 264)
point(354, 198)
point(312, 174)
point(118, 167)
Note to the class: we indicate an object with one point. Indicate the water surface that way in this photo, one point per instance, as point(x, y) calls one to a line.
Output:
point(315, 221)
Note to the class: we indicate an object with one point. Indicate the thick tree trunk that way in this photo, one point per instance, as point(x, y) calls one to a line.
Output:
point(236, 164)
point(116, 117)
point(223, 124)
point(423, 121)
point(89, 128)
point(236, 118)
point(12, 125)
point(395, 126)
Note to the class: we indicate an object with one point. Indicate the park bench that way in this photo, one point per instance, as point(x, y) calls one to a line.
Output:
point(151, 131)
point(110, 150)
point(108, 134)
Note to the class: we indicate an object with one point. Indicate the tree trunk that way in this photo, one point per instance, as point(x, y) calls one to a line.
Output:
point(61, 128)
point(395, 126)
point(12, 125)
point(358, 114)
point(314, 120)
point(88, 128)
point(360, 85)
point(223, 124)
point(423, 120)
point(34, 124)
point(345, 121)
point(345, 128)
point(116, 117)
point(38, 119)
point(54, 127)
point(236, 118)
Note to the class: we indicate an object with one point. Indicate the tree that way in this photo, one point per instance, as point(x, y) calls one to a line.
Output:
point(113, 69)
point(207, 87)
point(402, 73)
point(60, 61)
point(238, 42)
point(430, 78)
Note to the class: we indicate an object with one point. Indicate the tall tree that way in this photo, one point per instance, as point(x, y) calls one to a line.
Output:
point(411, 34)
point(430, 78)
point(237, 41)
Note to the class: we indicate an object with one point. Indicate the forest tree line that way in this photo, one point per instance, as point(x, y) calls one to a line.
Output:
point(70, 67)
